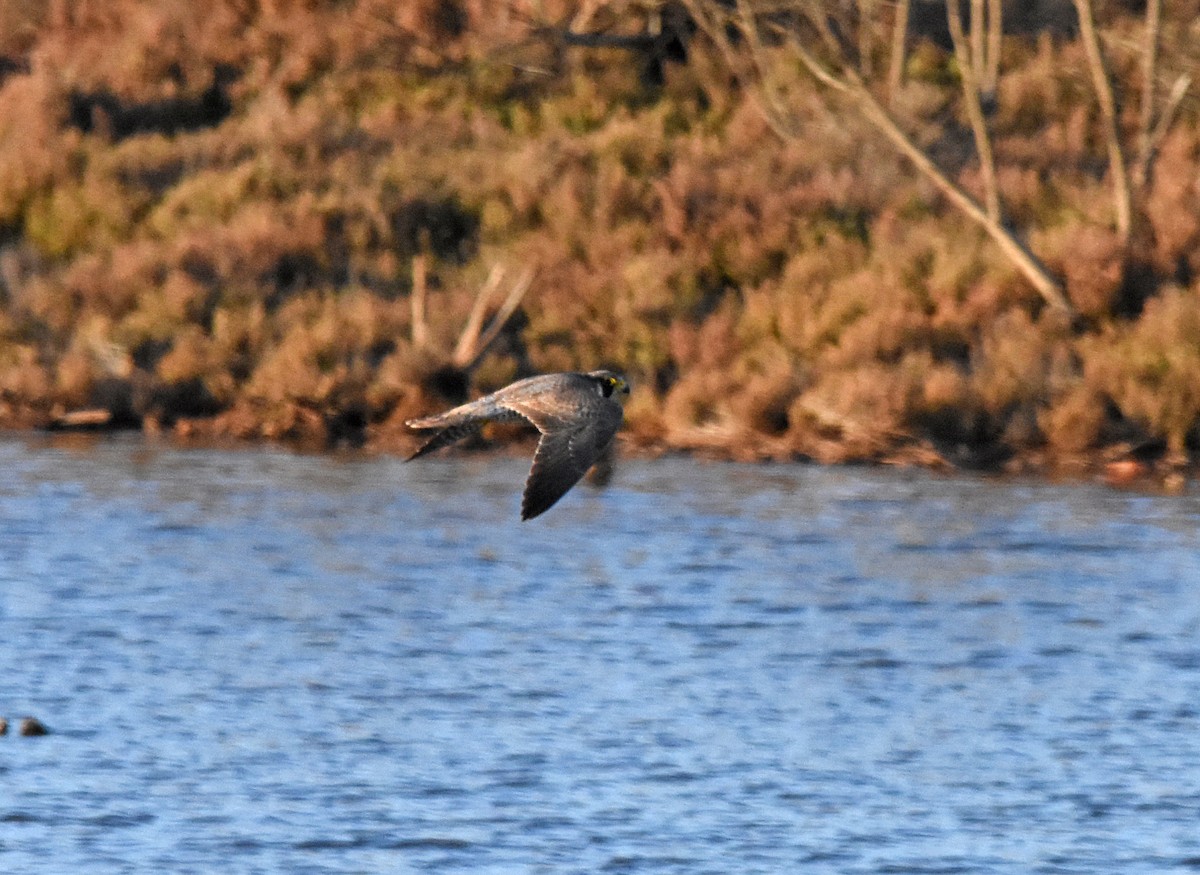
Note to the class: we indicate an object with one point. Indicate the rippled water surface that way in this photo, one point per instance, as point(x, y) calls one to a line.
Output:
point(254, 661)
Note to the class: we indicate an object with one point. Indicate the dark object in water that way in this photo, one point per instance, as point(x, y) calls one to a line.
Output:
point(31, 727)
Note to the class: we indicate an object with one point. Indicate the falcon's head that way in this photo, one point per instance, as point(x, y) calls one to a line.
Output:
point(609, 383)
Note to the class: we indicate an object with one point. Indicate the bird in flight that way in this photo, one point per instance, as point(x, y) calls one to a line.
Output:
point(577, 415)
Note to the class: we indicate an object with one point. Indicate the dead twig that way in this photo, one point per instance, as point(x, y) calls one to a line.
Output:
point(899, 41)
point(469, 339)
point(483, 343)
point(970, 69)
point(419, 327)
point(845, 81)
point(1122, 192)
point(475, 340)
point(995, 27)
point(1146, 109)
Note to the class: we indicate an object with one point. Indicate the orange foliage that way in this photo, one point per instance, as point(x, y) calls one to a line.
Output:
point(209, 215)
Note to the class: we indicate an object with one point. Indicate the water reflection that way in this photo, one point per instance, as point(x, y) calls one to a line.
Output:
point(276, 662)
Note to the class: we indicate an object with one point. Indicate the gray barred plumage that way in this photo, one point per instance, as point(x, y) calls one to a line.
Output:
point(577, 414)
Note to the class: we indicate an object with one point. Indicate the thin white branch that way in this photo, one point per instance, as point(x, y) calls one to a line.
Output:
point(899, 42)
point(1122, 195)
point(969, 68)
point(419, 327)
point(506, 311)
point(468, 341)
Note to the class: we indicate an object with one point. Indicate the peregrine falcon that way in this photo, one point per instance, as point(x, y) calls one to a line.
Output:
point(577, 415)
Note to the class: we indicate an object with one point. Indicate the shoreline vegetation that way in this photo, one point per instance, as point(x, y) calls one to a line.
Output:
point(846, 233)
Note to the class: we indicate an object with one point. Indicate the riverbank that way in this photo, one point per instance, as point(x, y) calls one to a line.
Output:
point(302, 224)
point(1123, 466)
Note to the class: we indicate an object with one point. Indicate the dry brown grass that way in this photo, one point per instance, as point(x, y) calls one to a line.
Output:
point(1151, 368)
point(209, 215)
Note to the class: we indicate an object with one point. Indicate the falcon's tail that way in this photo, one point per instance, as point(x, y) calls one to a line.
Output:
point(444, 438)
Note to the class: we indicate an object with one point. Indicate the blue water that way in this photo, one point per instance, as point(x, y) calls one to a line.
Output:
point(256, 661)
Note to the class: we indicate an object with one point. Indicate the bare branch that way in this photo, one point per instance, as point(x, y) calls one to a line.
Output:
point(977, 45)
point(995, 28)
point(419, 327)
point(969, 66)
point(1165, 119)
point(468, 341)
point(816, 15)
point(846, 82)
point(899, 41)
point(1122, 197)
point(866, 16)
point(492, 332)
point(717, 22)
point(1146, 111)
point(1016, 251)
point(779, 117)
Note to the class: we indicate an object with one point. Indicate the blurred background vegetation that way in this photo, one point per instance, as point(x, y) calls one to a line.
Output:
point(303, 220)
